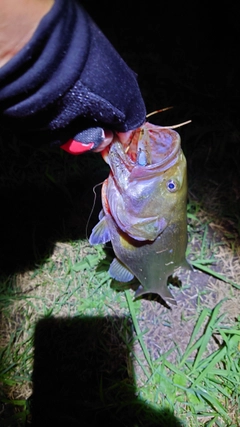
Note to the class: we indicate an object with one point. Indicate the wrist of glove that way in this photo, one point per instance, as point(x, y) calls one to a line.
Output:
point(69, 74)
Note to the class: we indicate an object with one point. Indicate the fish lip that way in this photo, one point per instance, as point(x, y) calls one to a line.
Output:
point(117, 152)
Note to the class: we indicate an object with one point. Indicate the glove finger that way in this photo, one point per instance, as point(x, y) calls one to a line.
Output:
point(86, 140)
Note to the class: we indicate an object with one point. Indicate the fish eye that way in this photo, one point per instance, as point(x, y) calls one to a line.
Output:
point(172, 186)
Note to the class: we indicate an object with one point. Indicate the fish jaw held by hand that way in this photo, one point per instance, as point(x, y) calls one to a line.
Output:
point(144, 209)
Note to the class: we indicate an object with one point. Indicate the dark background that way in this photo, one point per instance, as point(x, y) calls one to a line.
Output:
point(192, 47)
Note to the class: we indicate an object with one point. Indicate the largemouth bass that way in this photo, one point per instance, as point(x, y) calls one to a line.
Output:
point(144, 209)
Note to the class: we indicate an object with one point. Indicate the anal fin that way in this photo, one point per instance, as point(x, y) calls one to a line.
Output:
point(119, 272)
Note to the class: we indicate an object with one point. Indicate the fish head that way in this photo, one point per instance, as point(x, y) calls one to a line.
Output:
point(147, 183)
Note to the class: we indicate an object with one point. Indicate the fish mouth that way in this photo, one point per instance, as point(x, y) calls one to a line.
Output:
point(151, 148)
point(164, 145)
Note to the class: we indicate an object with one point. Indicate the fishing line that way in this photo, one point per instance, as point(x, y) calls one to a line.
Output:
point(93, 206)
point(159, 111)
point(177, 126)
point(168, 127)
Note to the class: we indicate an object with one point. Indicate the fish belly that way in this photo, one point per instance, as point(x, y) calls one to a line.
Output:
point(152, 262)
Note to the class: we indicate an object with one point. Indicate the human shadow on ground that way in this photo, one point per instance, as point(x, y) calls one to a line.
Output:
point(83, 376)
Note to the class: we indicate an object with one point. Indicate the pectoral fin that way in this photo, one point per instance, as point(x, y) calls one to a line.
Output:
point(100, 233)
point(119, 272)
point(101, 214)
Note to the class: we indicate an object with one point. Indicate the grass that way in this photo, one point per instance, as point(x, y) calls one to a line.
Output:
point(200, 387)
point(198, 382)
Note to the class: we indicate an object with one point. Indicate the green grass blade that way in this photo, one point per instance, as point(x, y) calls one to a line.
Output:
point(208, 333)
point(214, 360)
point(214, 274)
point(216, 404)
point(137, 329)
point(204, 238)
point(191, 347)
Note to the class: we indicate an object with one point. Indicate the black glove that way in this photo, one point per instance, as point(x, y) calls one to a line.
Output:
point(66, 79)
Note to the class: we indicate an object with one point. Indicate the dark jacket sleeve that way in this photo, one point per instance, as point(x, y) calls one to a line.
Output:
point(68, 77)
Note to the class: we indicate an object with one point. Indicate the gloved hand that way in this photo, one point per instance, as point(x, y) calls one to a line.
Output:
point(95, 139)
point(69, 84)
